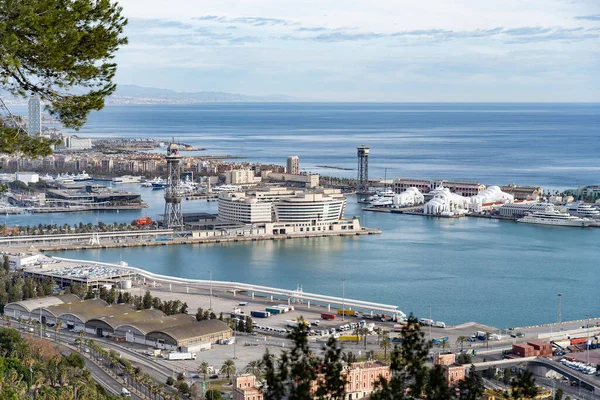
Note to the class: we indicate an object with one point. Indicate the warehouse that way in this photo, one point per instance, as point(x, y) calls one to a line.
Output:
point(74, 315)
point(31, 308)
point(191, 334)
point(110, 325)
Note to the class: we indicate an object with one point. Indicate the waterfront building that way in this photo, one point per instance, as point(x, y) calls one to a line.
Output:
point(238, 207)
point(362, 378)
point(27, 177)
point(523, 192)
point(308, 181)
point(412, 196)
point(34, 124)
point(589, 193)
point(445, 202)
point(241, 177)
point(73, 142)
point(314, 208)
point(490, 198)
point(519, 210)
point(293, 165)
point(463, 188)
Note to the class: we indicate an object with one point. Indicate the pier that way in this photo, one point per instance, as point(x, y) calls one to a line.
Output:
point(144, 238)
point(291, 296)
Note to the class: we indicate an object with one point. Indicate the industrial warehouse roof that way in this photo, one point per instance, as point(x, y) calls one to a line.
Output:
point(89, 309)
point(161, 323)
point(43, 302)
point(133, 318)
point(194, 329)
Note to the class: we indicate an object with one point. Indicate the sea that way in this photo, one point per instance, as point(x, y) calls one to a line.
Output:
point(495, 272)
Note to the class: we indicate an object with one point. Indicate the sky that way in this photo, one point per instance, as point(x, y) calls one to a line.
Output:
point(368, 50)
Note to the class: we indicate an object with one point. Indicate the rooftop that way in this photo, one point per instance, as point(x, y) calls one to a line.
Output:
point(131, 317)
point(195, 329)
point(163, 323)
point(43, 302)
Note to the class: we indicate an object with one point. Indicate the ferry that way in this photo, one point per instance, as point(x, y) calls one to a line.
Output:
point(158, 179)
point(83, 176)
point(556, 218)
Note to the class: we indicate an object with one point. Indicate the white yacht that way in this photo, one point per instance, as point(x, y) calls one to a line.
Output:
point(83, 176)
point(584, 210)
point(127, 179)
point(555, 217)
point(382, 202)
point(150, 183)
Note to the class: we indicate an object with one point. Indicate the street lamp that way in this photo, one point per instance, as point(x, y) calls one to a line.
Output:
point(343, 300)
point(558, 317)
point(430, 323)
point(587, 342)
point(210, 303)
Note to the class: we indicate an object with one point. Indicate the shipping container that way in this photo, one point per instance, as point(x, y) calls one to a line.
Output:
point(350, 338)
point(440, 340)
point(327, 316)
point(274, 310)
point(578, 341)
point(348, 313)
point(260, 314)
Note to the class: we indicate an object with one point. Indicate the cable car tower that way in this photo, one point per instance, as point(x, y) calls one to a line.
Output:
point(173, 218)
point(362, 177)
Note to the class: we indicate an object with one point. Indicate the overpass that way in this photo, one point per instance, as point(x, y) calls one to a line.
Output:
point(291, 296)
point(587, 382)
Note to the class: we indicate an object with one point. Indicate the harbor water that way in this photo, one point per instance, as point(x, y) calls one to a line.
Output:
point(496, 272)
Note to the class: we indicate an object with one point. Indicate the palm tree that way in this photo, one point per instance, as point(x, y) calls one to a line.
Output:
point(488, 336)
point(385, 344)
point(461, 340)
point(203, 369)
point(254, 368)
point(444, 343)
point(228, 368)
point(58, 327)
point(365, 332)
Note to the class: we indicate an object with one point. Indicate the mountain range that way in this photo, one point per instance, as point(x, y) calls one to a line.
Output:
point(133, 94)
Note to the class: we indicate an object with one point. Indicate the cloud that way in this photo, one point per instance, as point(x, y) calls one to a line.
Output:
point(593, 17)
point(253, 21)
point(312, 29)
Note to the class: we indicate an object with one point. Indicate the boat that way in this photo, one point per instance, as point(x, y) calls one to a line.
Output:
point(554, 217)
point(83, 176)
point(47, 178)
point(150, 183)
point(584, 210)
point(382, 202)
point(126, 179)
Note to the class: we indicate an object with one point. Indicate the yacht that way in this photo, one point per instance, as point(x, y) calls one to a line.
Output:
point(126, 179)
point(47, 178)
point(83, 176)
point(555, 217)
point(150, 183)
point(382, 202)
point(582, 209)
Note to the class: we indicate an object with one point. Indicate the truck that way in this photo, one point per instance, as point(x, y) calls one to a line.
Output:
point(426, 321)
point(274, 310)
point(181, 356)
point(327, 316)
point(440, 324)
point(348, 313)
point(289, 308)
point(440, 340)
point(398, 327)
point(260, 314)
point(294, 323)
point(480, 335)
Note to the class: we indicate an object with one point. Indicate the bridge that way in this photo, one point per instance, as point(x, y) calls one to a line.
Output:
point(291, 296)
point(587, 382)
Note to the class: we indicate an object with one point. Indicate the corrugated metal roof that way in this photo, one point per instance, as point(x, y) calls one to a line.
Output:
point(133, 318)
point(89, 309)
point(162, 323)
point(32, 304)
point(194, 329)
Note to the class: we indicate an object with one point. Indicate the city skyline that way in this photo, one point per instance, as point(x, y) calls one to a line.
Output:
point(382, 51)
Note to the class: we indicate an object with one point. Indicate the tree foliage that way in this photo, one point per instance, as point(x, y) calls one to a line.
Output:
point(49, 47)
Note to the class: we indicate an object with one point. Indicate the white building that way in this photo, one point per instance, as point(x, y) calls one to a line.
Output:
point(309, 181)
point(492, 197)
point(76, 143)
point(519, 210)
point(241, 177)
point(311, 208)
point(34, 124)
point(412, 196)
point(446, 202)
point(27, 177)
point(237, 207)
point(293, 165)
point(464, 188)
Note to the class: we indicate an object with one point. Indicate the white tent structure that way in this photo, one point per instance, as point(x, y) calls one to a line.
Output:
point(412, 196)
point(446, 202)
point(492, 194)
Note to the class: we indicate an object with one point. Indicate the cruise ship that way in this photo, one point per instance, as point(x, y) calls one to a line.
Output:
point(127, 179)
point(556, 218)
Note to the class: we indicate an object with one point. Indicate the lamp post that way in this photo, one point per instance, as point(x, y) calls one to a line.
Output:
point(343, 300)
point(587, 341)
point(430, 323)
point(210, 302)
point(558, 316)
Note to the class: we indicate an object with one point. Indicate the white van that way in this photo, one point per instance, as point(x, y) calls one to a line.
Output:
point(426, 321)
point(440, 324)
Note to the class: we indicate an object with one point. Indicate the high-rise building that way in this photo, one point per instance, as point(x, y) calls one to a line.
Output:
point(293, 165)
point(34, 125)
